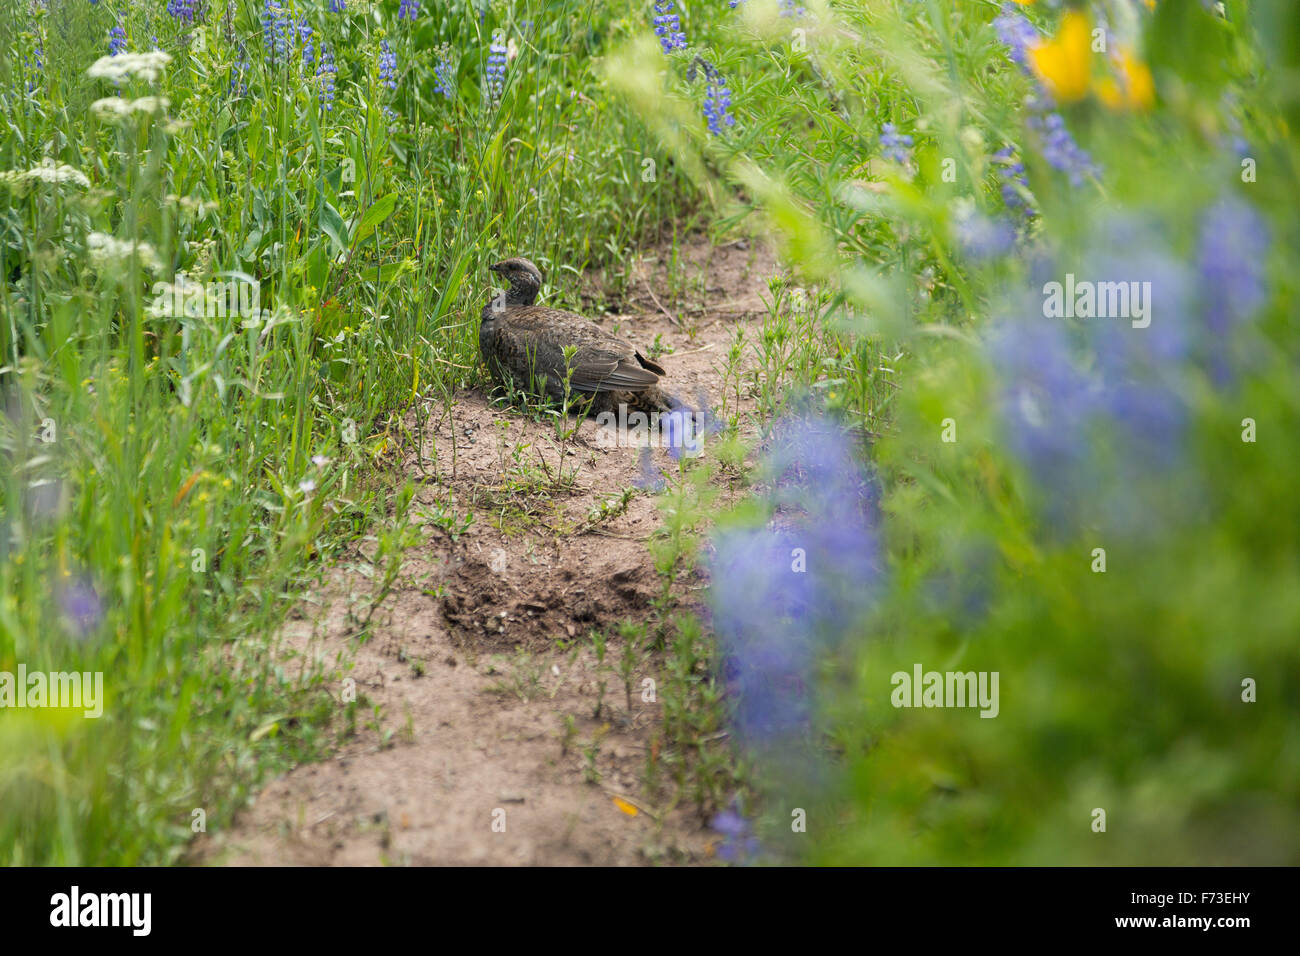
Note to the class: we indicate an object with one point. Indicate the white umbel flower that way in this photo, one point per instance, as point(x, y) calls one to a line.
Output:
point(59, 174)
point(145, 66)
point(51, 172)
point(114, 109)
point(106, 250)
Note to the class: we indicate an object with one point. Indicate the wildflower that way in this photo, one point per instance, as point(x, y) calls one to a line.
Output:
point(1060, 149)
point(37, 65)
point(1045, 400)
point(114, 109)
point(304, 37)
point(739, 843)
point(1132, 88)
point(788, 8)
point(444, 72)
point(145, 66)
point(1015, 184)
point(307, 486)
point(117, 38)
point(409, 10)
point(48, 171)
point(276, 23)
point(650, 477)
point(1063, 64)
point(681, 435)
point(82, 607)
point(325, 73)
point(980, 236)
point(184, 10)
point(1233, 249)
point(668, 27)
point(338, 6)
point(896, 145)
point(495, 71)
point(387, 65)
point(717, 104)
point(105, 250)
point(781, 591)
point(239, 73)
point(1017, 33)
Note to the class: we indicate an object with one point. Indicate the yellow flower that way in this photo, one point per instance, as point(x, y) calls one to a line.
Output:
point(1134, 89)
point(1064, 63)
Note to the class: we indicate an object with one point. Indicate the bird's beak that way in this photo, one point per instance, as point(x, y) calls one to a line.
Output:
point(496, 267)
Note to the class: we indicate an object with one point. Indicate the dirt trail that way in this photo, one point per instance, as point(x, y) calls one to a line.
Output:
point(464, 663)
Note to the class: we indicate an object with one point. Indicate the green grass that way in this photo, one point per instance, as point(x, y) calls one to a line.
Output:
point(187, 495)
point(199, 472)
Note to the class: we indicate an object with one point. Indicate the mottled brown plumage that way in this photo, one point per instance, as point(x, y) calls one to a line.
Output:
point(523, 344)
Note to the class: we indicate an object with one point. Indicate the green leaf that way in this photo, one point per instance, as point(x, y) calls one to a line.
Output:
point(332, 225)
point(376, 214)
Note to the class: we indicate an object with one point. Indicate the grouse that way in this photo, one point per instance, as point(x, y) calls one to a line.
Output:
point(523, 345)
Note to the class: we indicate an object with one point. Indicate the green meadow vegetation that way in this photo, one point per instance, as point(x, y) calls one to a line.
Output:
point(240, 241)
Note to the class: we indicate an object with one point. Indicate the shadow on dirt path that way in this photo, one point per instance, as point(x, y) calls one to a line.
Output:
point(481, 653)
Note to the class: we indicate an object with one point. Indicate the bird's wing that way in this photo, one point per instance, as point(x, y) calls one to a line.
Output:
point(602, 361)
point(603, 372)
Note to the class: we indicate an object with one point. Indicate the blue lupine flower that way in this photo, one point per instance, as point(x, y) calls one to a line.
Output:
point(789, 8)
point(304, 36)
point(739, 843)
point(1060, 149)
point(444, 72)
point(1046, 401)
point(325, 73)
point(239, 73)
point(184, 10)
point(117, 38)
point(82, 607)
point(1151, 422)
point(495, 70)
point(1015, 183)
point(276, 23)
point(1234, 245)
point(983, 237)
point(1095, 409)
point(668, 27)
point(1016, 32)
point(1131, 250)
point(36, 65)
point(649, 478)
point(897, 146)
point(1231, 260)
point(387, 65)
point(782, 591)
point(338, 6)
point(717, 104)
point(680, 432)
point(409, 10)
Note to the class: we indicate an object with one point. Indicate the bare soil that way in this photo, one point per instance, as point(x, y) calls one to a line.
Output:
point(481, 651)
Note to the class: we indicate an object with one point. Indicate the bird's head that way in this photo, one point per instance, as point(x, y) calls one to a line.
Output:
point(525, 279)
